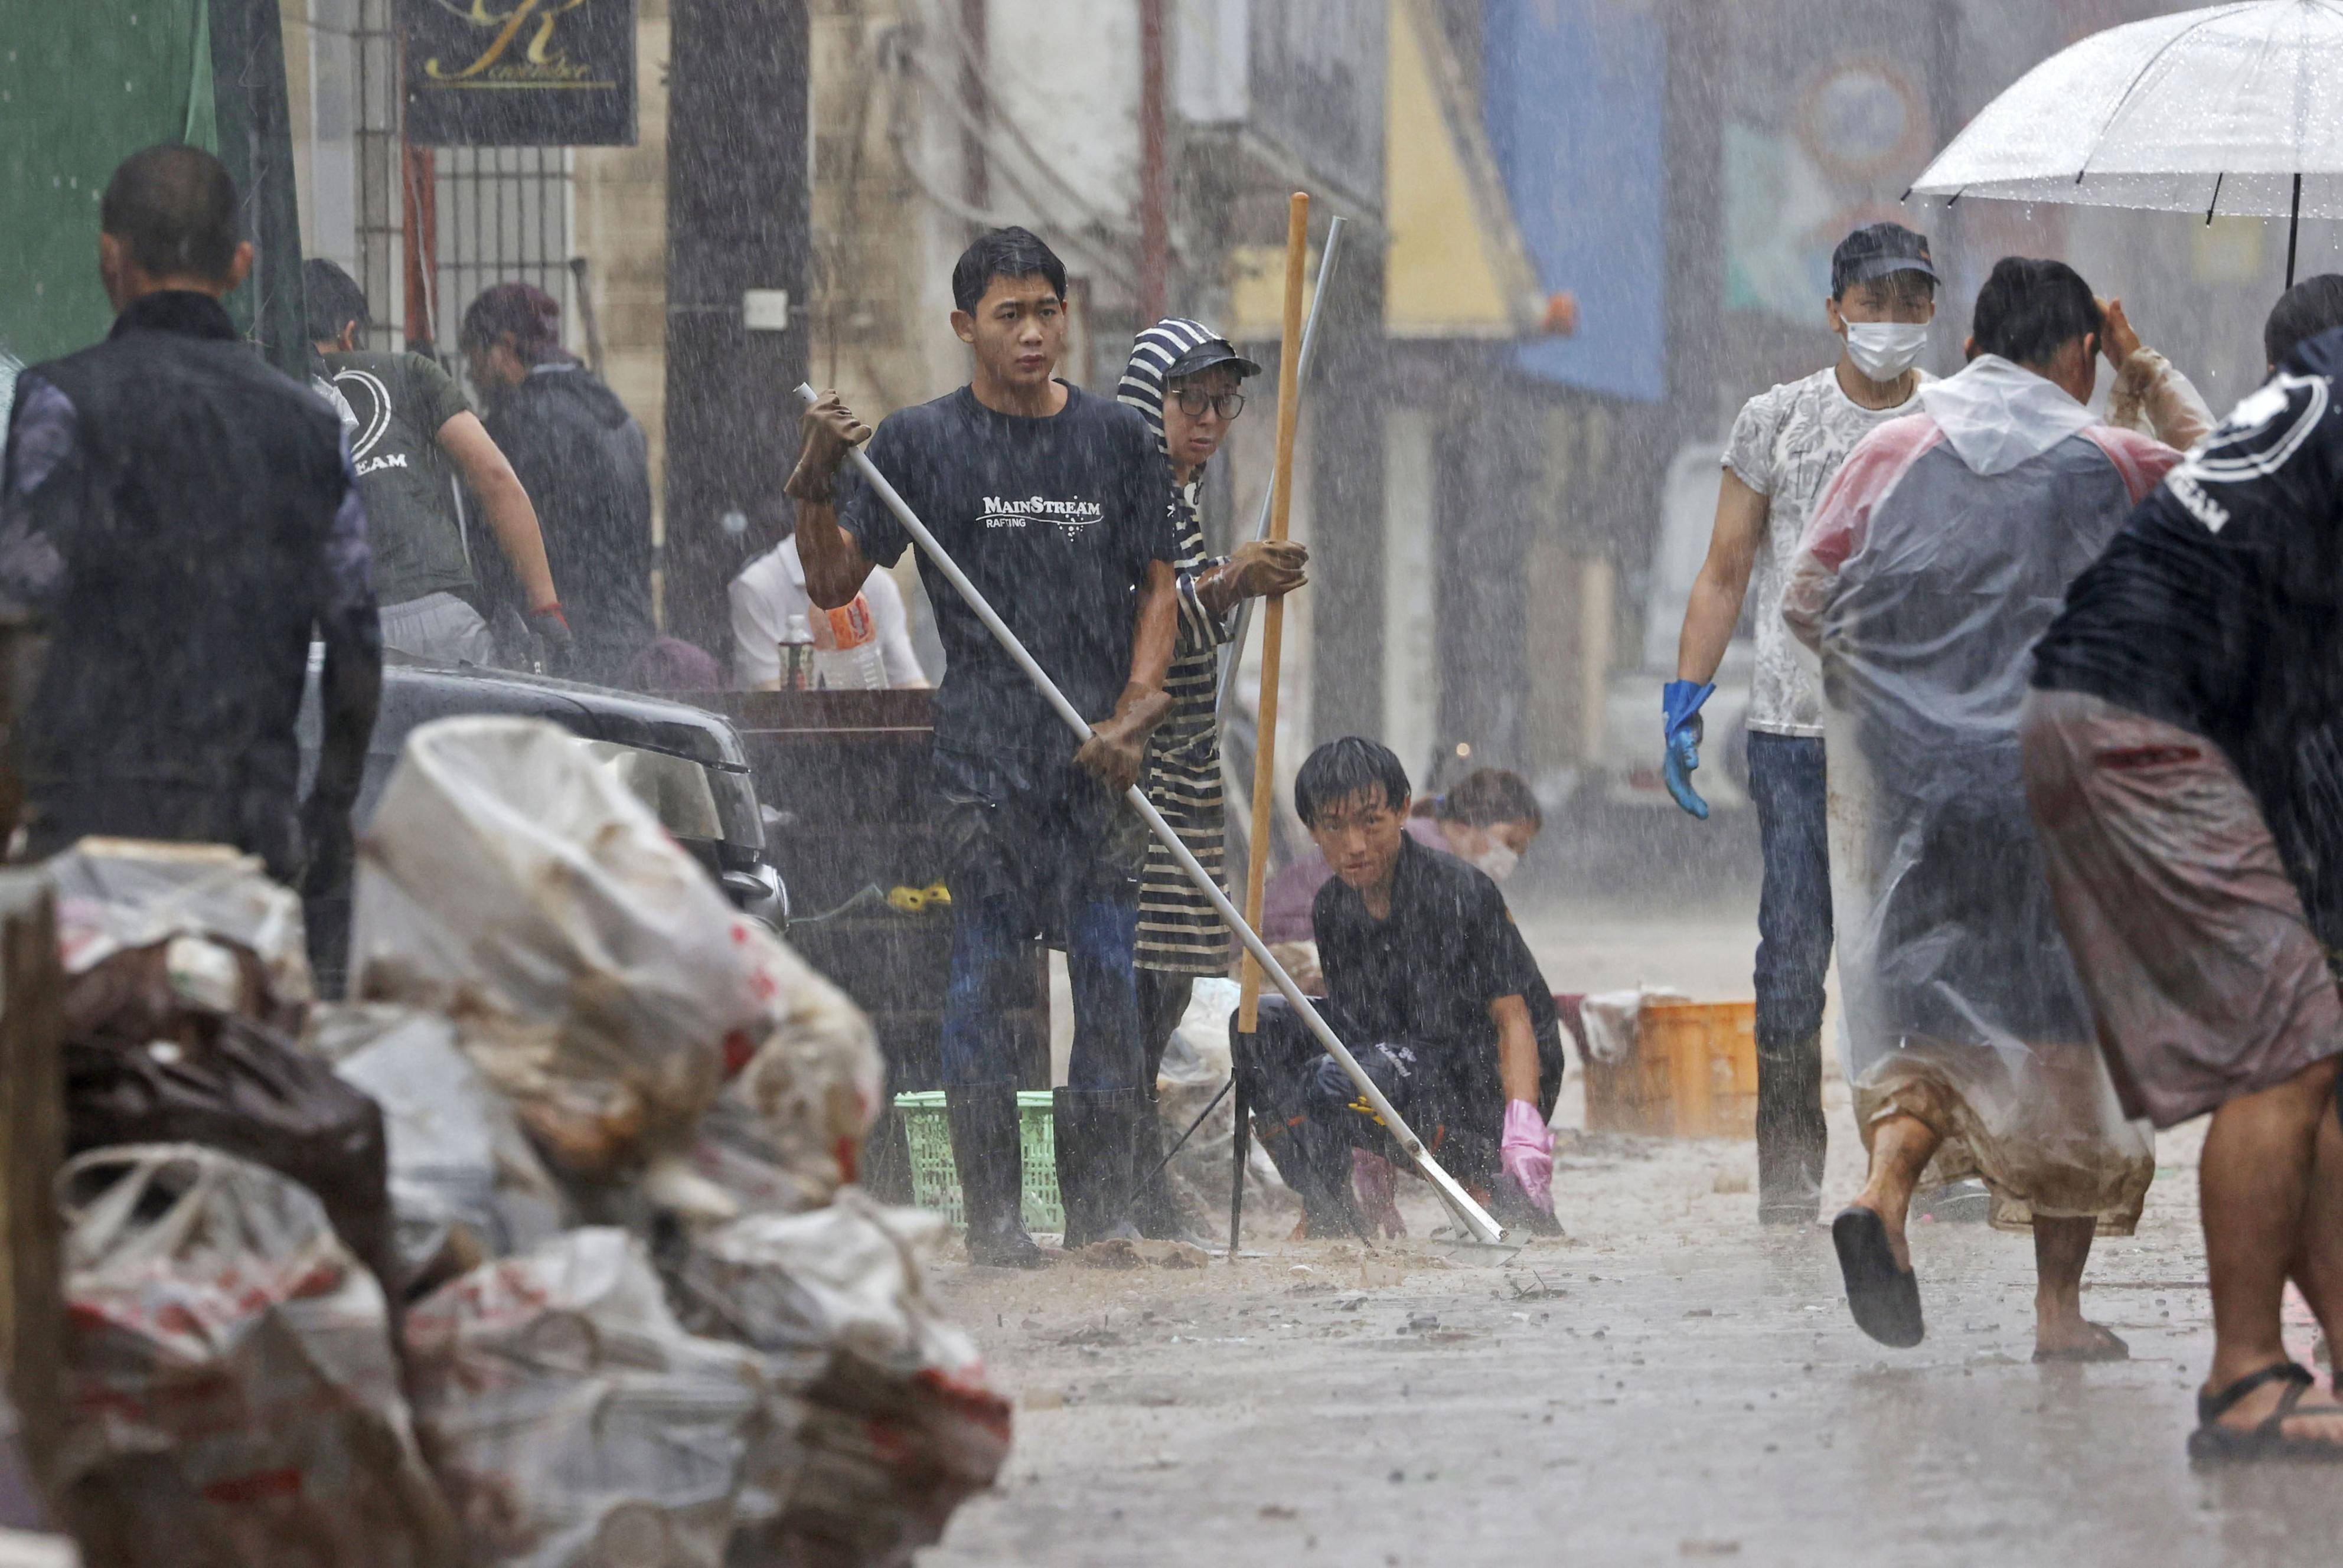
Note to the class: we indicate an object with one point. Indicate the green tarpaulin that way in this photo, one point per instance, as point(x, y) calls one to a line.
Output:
point(81, 87)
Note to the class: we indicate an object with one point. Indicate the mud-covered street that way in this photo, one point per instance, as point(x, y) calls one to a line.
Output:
point(1669, 1384)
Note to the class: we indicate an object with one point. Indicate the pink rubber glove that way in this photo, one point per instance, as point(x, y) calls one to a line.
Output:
point(1377, 1186)
point(1527, 1152)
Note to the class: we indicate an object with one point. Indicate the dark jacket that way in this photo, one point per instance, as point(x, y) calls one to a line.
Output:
point(186, 517)
point(586, 465)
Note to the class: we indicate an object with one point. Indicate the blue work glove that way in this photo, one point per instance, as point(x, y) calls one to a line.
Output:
point(1680, 735)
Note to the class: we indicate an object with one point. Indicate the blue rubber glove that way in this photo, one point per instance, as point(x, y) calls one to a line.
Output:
point(1680, 731)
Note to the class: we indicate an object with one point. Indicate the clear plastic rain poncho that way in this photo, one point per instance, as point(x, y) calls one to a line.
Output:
point(1933, 562)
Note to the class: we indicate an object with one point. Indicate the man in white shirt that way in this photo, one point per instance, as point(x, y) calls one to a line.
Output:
point(772, 589)
point(1784, 449)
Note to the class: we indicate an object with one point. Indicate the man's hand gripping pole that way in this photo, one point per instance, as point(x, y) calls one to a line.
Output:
point(1471, 1215)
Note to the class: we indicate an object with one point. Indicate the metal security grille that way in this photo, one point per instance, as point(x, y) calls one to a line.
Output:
point(381, 223)
point(502, 214)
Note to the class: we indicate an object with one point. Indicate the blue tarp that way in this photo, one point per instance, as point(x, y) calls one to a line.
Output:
point(1576, 93)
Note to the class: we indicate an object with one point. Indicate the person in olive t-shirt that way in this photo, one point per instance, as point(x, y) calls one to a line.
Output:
point(411, 423)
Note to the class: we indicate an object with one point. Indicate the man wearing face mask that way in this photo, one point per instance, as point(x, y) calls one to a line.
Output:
point(1786, 444)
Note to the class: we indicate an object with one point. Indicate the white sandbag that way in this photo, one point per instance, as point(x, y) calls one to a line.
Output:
point(232, 1393)
point(116, 895)
point(572, 1420)
point(463, 1180)
point(879, 1422)
point(1614, 1020)
point(597, 975)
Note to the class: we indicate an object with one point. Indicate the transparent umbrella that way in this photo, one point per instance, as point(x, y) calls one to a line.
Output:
point(2235, 109)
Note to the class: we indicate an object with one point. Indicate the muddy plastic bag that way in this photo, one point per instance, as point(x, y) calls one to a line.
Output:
point(572, 1420)
point(116, 895)
point(232, 1398)
point(597, 975)
point(465, 1185)
point(880, 1424)
point(230, 1084)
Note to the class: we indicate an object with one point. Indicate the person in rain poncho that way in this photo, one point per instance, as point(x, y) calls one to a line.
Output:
point(1933, 562)
point(2183, 750)
point(1186, 382)
point(1057, 505)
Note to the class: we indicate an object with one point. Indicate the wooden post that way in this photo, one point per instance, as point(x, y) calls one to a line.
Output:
point(1272, 629)
point(31, 1147)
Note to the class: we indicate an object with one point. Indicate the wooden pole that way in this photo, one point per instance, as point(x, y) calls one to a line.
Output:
point(1272, 629)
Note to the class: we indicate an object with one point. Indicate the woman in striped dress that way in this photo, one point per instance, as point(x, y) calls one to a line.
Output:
point(1186, 379)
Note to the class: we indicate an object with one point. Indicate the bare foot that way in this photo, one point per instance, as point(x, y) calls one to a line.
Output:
point(2077, 1339)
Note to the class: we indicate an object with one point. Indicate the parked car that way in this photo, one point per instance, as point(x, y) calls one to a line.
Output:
point(685, 762)
point(1627, 763)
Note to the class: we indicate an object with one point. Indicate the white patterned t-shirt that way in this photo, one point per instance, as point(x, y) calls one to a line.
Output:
point(1785, 446)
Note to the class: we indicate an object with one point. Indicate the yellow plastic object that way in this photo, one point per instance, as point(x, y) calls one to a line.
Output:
point(1693, 1074)
point(939, 896)
point(909, 900)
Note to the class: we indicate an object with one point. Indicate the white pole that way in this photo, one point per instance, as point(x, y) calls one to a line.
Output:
point(1471, 1215)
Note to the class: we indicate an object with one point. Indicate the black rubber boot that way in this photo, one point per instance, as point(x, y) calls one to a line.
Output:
point(985, 1148)
point(1099, 1133)
point(1154, 1210)
point(1792, 1135)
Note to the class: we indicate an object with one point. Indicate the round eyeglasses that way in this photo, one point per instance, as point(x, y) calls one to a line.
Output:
point(1227, 405)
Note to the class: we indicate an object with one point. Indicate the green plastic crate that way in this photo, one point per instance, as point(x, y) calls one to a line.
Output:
point(935, 1182)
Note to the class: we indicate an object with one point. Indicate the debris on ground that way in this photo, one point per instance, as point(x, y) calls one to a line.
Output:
point(233, 1396)
point(591, 1132)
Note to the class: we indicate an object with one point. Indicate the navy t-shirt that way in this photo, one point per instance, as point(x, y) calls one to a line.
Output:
point(1426, 973)
point(2220, 608)
point(1055, 521)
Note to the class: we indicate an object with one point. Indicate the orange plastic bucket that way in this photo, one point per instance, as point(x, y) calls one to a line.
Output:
point(1693, 1074)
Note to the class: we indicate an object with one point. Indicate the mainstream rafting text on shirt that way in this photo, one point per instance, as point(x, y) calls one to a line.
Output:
point(1056, 520)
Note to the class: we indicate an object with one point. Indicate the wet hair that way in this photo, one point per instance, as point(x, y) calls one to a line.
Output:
point(1484, 797)
point(173, 207)
point(2310, 307)
point(532, 316)
point(2030, 309)
point(1341, 769)
point(1010, 253)
point(334, 300)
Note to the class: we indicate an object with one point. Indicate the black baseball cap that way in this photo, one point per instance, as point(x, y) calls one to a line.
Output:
point(1875, 250)
point(1205, 356)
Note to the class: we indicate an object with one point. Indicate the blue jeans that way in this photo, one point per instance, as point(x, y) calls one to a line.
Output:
point(1787, 785)
point(990, 938)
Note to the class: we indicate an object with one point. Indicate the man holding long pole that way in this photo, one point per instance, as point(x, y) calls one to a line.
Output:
point(1057, 505)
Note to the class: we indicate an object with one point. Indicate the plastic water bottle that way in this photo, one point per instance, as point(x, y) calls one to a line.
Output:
point(797, 655)
point(846, 648)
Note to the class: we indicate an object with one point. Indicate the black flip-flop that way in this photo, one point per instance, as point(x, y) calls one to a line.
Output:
point(2213, 1443)
point(1884, 1298)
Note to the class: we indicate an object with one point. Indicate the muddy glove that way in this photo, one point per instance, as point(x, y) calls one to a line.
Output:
point(1527, 1153)
point(1681, 731)
point(552, 629)
point(1118, 742)
point(830, 430)
point(1256, 570)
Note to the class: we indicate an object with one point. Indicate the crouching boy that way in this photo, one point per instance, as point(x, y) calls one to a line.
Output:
point(1430, 984)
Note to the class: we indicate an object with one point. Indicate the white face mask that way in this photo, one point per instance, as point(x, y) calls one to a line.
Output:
point(1883, 351)
point(1498, 861)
